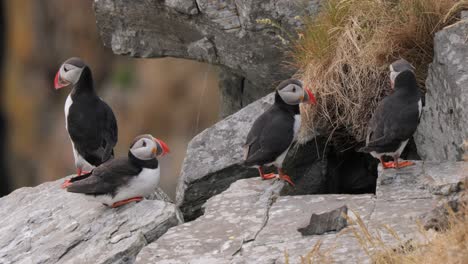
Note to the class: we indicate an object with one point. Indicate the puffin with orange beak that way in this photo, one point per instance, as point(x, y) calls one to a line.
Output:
point(396, 118)
point(273, 133)
point(126, 179)
point(90, 122)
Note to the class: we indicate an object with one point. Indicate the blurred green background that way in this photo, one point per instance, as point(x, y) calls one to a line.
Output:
point(170, 98)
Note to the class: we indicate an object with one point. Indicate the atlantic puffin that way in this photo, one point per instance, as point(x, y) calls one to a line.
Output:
point(125, 179)
point(396, 117)
point(90, 122)
point(273, 132)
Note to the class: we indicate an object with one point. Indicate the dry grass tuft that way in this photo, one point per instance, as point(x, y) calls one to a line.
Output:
point(450, 246)
point(344, 54)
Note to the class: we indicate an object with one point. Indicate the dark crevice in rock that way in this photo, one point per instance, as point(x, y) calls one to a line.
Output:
point(351, 172)
point(318, 168)
point(411, 151)
point(197, 7)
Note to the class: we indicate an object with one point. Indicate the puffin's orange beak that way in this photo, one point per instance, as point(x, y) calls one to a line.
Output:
point(311, 96)
point(58, 83)
point(163, 145)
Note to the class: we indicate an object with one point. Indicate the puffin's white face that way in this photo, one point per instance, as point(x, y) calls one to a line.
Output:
point(294, 94)
point(146, 147)
point(398, 67)
point(69, 73)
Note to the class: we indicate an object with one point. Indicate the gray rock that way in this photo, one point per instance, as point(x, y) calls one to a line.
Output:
point(443, 125)
point(320, 224)
point(46, 224)
point(250, 223)
point(245, 222)
point(202, 50)
point(236, 92)
point(439, 217)
point(423, 180)
point(230, 218)
point(231, 92)
point(213, 156)
point(188, 7)
point(248, 48)
point(445, 178)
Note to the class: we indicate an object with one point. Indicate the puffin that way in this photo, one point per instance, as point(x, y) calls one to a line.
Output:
point(124, 180)
point(396, 117)
point(89, 121)
point(274, 131)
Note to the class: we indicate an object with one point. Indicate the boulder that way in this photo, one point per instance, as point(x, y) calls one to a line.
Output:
point(443, 126)
point(251, 223)
point(249, 38)
point(212, 160)
point(214, 157)
point(46, 224)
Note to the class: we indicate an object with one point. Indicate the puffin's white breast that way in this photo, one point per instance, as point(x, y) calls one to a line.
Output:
point(68, 103)
point(297, 125)
point(420, 107)
point(141, 185)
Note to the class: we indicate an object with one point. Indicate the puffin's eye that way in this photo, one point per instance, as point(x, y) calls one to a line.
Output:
point(294, 89)
point(65, 68)
point(144, 143)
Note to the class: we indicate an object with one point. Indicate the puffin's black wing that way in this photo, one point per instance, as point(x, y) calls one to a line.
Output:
point(106, 178)
point(110, 132)
point(92, 128)
point(270, 135)
point(395, 120)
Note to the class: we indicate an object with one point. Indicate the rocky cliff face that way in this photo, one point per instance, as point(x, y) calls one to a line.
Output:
point(443, 126)
point(250, 222)
point(238, 220)
point(46, 224)
point(232, 34)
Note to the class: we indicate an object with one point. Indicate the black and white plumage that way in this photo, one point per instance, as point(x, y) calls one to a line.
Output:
point(396, 118)
point(125, 179)
point(90, 122)
point(273, 133)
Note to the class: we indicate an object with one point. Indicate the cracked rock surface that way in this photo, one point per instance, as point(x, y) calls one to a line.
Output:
point(251, 223)
point(46, 224)
point(443, 126)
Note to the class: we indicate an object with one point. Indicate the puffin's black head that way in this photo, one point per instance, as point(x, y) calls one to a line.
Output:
point(69, 72)
point(398, 67)
point(146, 147)
point(292, 92)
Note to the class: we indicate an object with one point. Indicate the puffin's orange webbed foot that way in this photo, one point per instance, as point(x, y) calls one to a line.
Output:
point(269, 176)
point(405, 163)
point(66, 184)
point(286, 178)
point(123, 202)
point(388, 165)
